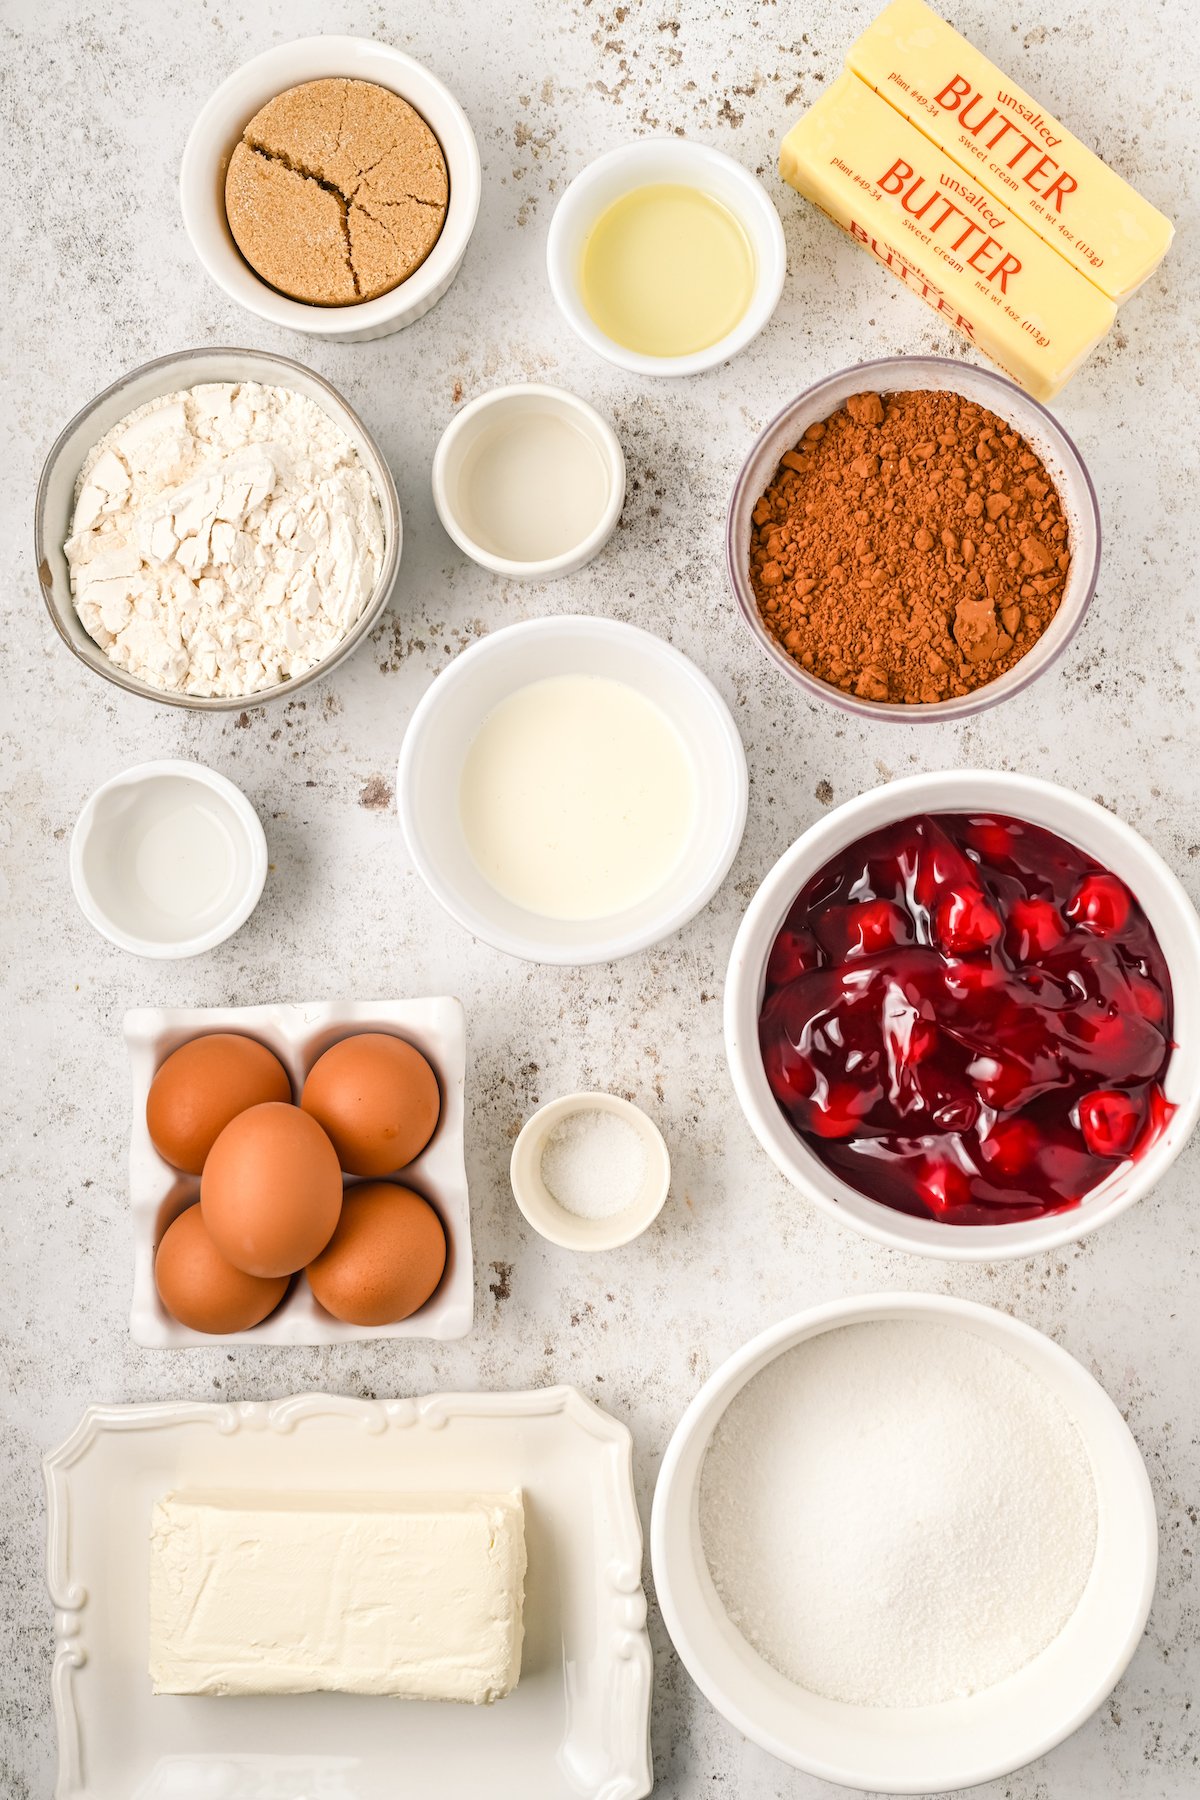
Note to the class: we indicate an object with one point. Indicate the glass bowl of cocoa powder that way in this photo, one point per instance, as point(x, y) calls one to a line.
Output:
point(913, 539)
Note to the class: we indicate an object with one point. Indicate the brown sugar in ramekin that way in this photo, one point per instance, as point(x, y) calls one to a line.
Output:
point(336, 192)
point(911, 548)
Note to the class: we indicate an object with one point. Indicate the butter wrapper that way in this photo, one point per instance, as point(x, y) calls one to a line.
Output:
point(1012, 147)
point(956, 246)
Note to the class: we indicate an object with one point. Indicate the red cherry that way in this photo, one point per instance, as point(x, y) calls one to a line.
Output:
point(973, 981)
point(1101, 902)
point(1121, 1044)
point(793, 953)
point(840, 1113)
point(1010, 1147)
point(964, 921)
point(939, 865)
point(1148, 999)
point(944, 1187)
point(1002, 1081)
point(790, 1076)
point(1110, 1121)
point(993, 838)
point(1035, 926)
point(874, 925)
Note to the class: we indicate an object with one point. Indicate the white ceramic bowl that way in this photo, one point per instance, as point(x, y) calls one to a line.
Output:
point(225, 116)
point(1096, 831)
point(924, 374)
point(691, 165)
point(556, 1223)
point(917, 1750)
point(126, 827)
point(445, 724)
point(478, 426)
point(55, 505)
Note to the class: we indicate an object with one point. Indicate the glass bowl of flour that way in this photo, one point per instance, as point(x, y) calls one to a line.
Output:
point(216, 529)
point(904, 1543)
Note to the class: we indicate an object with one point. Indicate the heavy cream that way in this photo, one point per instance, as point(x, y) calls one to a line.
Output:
point(577, 797)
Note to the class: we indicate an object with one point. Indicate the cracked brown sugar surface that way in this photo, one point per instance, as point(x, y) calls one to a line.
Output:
point(336, 192)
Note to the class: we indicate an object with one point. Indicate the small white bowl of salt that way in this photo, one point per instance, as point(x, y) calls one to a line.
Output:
point(590, 1171)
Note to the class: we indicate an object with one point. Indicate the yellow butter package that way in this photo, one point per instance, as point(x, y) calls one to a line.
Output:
point(970, 109)
point(949, 240)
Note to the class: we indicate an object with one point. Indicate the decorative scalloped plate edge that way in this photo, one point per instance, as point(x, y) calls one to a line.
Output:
point(622, 1576)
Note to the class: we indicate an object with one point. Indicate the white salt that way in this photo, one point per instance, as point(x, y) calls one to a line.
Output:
point(898, 1513)
point(594, 1164)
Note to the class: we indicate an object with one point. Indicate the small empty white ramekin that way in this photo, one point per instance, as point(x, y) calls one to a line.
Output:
point(688, 164)
point(493, 411)
point(557, 1223)
point(104, 864)
point(218, 129)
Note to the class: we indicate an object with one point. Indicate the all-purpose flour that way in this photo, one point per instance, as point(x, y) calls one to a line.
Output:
point(224, 539)
point(898, 1513)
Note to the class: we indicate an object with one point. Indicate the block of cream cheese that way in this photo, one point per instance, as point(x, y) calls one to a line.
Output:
point(949, 240)
point(1012, 146)
point(414, 1595)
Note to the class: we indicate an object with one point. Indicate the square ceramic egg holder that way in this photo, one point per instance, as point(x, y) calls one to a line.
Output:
point(298, 1035)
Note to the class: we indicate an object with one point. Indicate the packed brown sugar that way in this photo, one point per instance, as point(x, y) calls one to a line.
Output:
point(911, 548)
point(336, 192)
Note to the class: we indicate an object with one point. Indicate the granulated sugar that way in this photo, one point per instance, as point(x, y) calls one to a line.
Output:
point(898, 1513)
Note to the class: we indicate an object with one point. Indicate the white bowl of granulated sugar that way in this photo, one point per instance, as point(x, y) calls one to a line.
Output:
point(590, 1171)
point(904, 1543)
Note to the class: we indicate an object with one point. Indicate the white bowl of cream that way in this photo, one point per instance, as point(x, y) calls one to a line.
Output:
point(572, 790)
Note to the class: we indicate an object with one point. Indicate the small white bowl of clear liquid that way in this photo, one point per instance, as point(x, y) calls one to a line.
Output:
point(168, 859)
point(529, 481)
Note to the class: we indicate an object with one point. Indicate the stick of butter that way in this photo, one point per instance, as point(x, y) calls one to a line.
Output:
point(418, 1596)
point(1015, 149)
point(953, 244)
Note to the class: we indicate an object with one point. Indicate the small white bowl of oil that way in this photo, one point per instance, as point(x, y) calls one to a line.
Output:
point(529, 481)
point(168, 859)
point(571, 789)
point(666, 256)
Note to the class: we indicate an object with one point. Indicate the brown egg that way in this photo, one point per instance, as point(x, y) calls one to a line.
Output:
point(203, 1085)
point(384, 1260)
point(271, 1190)
point(377, 1098)
point(201, 1289)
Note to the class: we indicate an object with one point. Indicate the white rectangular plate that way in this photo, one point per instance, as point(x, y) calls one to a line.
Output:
point(577, 1725)
point(298, 1035)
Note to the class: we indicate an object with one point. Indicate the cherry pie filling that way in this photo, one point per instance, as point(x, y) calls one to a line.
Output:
point(968, 1019)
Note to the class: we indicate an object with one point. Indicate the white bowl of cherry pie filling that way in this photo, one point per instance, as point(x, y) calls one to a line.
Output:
point(962, 1015)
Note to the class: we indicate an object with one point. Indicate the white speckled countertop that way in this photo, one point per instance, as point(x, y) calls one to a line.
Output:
point(100, 277)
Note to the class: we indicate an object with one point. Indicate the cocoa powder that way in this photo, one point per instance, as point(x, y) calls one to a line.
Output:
point(910, 548)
